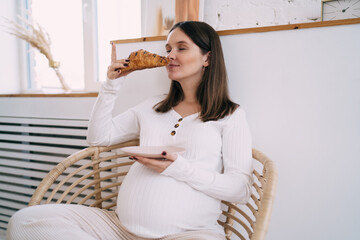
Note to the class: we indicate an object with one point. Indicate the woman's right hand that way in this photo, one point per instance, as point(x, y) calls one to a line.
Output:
point(114, 70)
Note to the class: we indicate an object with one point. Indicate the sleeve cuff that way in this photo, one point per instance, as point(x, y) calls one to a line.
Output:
point(112, 85)
point(179, 169)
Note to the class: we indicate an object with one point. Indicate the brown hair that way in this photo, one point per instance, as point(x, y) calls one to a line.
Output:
point(212, 93)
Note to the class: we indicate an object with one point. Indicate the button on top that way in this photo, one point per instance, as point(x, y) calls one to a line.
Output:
point(176, 126)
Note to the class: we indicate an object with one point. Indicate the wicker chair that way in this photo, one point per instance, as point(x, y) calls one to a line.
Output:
point(93, 175)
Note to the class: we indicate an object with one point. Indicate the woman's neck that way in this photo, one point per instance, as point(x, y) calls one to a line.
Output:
point(190, 98)
point(190, 104)
point(189, 89)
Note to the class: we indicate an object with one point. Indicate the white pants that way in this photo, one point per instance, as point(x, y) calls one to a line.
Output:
point(65, 221)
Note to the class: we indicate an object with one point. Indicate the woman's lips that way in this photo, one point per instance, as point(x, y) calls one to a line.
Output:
point(172, 66)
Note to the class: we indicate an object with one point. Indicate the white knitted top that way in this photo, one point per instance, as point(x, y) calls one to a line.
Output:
point(217, 165)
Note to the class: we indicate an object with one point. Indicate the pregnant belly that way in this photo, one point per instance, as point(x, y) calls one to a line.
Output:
point(152, 205)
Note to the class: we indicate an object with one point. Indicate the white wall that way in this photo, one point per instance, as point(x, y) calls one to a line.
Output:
point(233, 14)
point(10, 58)
point(300, 89)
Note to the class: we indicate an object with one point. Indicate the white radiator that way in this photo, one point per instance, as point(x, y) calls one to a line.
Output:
point(29, 148)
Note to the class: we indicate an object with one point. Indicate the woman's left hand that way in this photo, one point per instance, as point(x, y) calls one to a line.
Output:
point(156, 164)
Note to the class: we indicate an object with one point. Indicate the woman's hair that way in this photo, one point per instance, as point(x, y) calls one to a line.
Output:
point(212, 92)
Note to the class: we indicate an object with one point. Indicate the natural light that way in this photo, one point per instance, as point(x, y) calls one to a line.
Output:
point(63, 20)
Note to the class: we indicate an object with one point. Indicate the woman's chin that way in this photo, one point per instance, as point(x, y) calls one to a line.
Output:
point(172, 76)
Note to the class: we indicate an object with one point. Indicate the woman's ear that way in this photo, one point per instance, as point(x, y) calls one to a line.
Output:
point(207, 59)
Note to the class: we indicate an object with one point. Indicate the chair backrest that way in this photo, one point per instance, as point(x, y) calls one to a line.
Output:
point(93, 176)
point(251, 220)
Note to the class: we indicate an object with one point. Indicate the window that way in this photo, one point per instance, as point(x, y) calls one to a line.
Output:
point(80, 31)
point(63, 21)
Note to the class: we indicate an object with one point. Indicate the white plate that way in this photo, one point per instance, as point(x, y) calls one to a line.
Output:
point(151, 151)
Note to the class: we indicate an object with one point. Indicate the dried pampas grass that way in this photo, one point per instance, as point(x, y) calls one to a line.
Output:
point(37, 37)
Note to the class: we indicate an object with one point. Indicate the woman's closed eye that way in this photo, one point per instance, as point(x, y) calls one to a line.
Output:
point(178, 49)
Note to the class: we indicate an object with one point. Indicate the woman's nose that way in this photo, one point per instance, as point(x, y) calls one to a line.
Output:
point(171, 55)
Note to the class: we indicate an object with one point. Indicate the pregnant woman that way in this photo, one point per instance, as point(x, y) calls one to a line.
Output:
point(178, 197)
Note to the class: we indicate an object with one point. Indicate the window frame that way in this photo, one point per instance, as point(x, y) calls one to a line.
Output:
point(91, 56)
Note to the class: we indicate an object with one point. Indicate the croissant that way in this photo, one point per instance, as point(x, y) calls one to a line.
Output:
point(142, 59)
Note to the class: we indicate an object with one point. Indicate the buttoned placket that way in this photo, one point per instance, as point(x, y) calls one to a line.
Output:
point(176, 126)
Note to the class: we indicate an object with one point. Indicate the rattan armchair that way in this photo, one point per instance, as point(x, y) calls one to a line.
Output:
point(93, 176)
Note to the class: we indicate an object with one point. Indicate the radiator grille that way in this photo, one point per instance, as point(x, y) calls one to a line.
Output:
point(29, 148)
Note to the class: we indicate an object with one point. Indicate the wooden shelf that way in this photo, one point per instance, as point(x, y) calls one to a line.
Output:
point(256, 29)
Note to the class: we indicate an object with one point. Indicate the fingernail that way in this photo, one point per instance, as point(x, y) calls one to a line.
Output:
point(163, 153)
point(125, 64)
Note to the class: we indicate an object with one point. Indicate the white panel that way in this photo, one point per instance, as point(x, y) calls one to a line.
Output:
point(26, 147)
point(22, 172)
point(57, 130)
point(12, 204)
point(33, 165)
point(3, 218)
point(18, 197)
point(78, 108)
point(43, 121)
point(29, 156)
point(3, 225)
point(7, 211)
point(24, 164)
point(14, 188)
point(26, 138)
point(17, 180)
